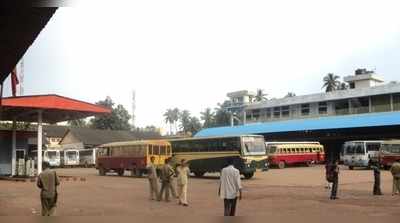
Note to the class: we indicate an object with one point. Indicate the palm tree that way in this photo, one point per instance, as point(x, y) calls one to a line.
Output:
point(169, 119)
point(208, 117)
point(185, 117)
point(260, 96)
point(331, 82)
point(175, 117)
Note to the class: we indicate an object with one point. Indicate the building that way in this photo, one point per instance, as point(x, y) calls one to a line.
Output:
point(366, 94)
point(83, 138)
point(368, 110)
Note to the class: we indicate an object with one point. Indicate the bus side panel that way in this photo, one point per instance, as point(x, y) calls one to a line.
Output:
point(213, 165)
point(126, 163)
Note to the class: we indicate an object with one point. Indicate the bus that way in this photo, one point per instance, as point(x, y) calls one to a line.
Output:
point(390, 152)
point(87, 157)
point(360, 153)
point(209, 154)
point(53, 157)
point(71, 158)
point(131, 155)
point(281, 154)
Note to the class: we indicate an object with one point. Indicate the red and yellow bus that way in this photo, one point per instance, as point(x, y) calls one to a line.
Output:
point(282, 154)
point(131, 155)
point(389, 153)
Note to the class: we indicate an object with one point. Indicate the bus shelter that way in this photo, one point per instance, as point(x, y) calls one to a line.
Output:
point(44, 109)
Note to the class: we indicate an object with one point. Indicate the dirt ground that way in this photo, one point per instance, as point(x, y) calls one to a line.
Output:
point(292, 191)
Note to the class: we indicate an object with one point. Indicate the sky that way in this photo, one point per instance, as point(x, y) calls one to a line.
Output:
point(190, 54)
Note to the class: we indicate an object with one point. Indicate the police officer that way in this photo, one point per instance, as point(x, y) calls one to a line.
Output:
point(377, 177)
point(48, 182)
point(152, 175)
point(167, 174)
point(395, 170)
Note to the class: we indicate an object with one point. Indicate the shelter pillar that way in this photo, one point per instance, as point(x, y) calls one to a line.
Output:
point(14, 149)
point(39, 142)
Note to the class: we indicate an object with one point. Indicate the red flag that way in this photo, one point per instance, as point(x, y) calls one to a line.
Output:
point(14, 82)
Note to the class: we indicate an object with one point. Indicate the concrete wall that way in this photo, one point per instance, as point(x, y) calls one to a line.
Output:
point(6, 150)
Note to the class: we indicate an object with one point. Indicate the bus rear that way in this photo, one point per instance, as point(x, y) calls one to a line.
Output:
point(360, 153)
point(390, 153)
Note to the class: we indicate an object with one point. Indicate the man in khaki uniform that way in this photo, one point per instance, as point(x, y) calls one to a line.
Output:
point(183, 172)
point(395, 170)
point(152, 175)
point(48, 182)
point(167, 174)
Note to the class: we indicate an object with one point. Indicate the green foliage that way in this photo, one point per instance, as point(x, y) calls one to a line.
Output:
point(21, 126)
point(222, 116)
point(118, 120)
point(208, 118)
point(80, 123)
point(331, 82)
point(261, 95)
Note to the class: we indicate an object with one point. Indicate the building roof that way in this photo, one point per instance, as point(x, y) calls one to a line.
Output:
point(329, 96)
point(55, 108)
point(19, 27)
point(55, 131)
point(323, 123)
point(98, 137)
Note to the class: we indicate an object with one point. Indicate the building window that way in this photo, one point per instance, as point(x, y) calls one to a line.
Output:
point(342, 107)
point(285, 111)
point(269, 113)
point(323, 108)
point(256, 114)
point(305, 109)
point(380, 103)
point(277, 112)
point(360, 105)
point(396, 102)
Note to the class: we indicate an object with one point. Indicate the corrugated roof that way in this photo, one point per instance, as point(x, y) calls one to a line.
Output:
point(323, 123)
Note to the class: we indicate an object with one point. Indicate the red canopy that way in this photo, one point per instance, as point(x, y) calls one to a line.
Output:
point(54, 108)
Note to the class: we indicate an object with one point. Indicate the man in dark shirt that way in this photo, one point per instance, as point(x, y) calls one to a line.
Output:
point(377, 178)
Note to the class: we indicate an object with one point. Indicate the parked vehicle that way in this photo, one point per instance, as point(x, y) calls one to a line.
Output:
point(71, 158)
point(53, 157)
point(132, 155)
point(281, 154)
point(87, 157)
point(360, 153)
point(390, 152)
point(209, 154)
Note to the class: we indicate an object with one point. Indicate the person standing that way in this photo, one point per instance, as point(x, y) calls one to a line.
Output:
point(328, 181)
point(183, 172)
point(167, 174)
point(152, 175)
point(395, 170)
point(47, 182)
point(229, 188)
point(334, 171)
point(377, 178)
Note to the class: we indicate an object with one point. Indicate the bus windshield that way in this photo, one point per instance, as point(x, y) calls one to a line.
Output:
point(52, 154)
point(355, 148)
point(254, 146)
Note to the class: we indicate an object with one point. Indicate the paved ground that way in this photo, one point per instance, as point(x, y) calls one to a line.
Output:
point(288, 192)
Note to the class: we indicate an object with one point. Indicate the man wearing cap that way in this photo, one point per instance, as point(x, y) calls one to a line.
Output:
point(183, 172)
point(48, 182)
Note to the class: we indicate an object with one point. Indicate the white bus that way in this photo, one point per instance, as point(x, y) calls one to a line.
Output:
point(87, 157)
point(360, 153)
point(71, 157)
point(53, 157)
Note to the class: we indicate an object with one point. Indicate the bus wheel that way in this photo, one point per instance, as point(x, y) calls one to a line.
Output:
point(248, 175)
point(281, 165)
point(102, 172)
point(199, 174)
point(351, 167)
point(120, 172)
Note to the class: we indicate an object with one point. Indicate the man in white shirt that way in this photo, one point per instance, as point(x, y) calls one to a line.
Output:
point(230, 187)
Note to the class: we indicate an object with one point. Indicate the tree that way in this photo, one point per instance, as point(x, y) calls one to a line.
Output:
point(342, 86)
point(169, 119)
point(175, 118)
point(194, 125)
point(331, 82)
point(184, 118)
point(81, 123)
point(290, 94)
point(118, 120)
point(222, 116)
point(260, 96)
point(207, 117)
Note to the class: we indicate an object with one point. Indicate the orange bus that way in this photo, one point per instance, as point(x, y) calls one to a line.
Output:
point(131, 155)
point(389, 153)
point(282, 154)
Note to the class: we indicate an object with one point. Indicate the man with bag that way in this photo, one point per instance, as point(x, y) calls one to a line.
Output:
point(48, 182)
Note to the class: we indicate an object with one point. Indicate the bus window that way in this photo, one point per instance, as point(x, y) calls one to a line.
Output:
point(163, 151)
point(156, 150)
point(373, 147)
point(359, 149)
point(168, 150)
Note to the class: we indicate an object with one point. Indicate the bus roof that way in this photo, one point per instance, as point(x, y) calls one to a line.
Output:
point(298, 145)
point(136, 142)
point(393, 141)
point(357, 141)
point(280, 143)
point(213, 137)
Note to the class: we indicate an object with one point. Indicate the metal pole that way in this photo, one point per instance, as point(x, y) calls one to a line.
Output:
point(39, 141)
point(14, 149)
